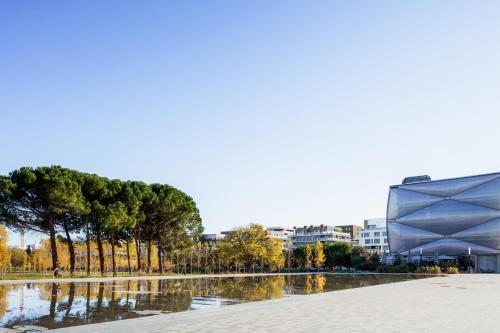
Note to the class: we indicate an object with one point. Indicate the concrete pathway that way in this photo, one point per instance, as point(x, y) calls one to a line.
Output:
point(456, 303)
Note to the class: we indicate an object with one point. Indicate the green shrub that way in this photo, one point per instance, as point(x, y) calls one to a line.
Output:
point(452, 270)
point(401, 268)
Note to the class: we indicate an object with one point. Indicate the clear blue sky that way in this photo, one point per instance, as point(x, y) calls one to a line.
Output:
point(276, 112)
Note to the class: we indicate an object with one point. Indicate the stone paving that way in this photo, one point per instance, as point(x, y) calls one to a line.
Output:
point(460, 303)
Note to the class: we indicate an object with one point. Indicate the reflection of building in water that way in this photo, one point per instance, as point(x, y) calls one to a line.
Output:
point(209, 302)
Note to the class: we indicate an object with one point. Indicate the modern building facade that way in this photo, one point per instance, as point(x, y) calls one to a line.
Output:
point(373, 236)
point(352, 230)
point(211, 239)
point(323, 233)
point(284, 234)
point(451, 217)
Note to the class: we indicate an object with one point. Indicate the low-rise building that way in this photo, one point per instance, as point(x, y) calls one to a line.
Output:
point(323, 233)
point(351, 229)
point(373, 236)
point(211, 239)
point(282, 233)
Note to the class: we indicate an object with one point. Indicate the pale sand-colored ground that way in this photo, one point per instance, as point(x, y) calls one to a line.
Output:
point(461, 303)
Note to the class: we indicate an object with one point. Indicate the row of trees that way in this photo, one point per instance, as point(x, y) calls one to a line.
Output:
point(62, 203)
point(333, 255)
point(244, 249)
point(247, 248)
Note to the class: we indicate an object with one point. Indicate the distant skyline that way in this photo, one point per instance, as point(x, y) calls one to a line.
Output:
point(279, 113)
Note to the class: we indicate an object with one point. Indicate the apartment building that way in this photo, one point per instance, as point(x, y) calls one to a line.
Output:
point(373, 236)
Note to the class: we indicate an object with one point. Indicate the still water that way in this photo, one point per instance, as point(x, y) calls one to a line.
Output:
point(55, 305)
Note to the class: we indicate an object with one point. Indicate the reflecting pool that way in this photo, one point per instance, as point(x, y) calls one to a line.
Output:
point(55, 305)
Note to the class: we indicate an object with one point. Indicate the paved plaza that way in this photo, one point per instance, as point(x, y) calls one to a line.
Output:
point(460, 303)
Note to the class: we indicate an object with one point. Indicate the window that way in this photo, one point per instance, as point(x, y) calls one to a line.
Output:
point(384, 233)
point(366, 234)
point(376, 241)
point(385, 240)
point(376, 234)
point(368, 241)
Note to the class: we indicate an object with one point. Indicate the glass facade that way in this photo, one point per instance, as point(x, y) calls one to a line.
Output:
point(445, 216)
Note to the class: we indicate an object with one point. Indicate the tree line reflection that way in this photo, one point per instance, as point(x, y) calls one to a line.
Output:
point(69, 304)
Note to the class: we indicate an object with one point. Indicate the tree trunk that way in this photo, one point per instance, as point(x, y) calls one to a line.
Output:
point(71, 249)
point(87, 241)
point(149, 257)
point(53, 300)
point(128, 292)
point(113, 293)
point(101, 251)
point(138, 300)
point(100, 296)
point(138, 250)
point(53, 245)
point(128, 258)
point(87, 312)
point(71, 298)
point(113, 260)
point(160, 259)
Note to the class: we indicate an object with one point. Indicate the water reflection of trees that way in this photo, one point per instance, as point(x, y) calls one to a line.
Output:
point(250, 289)
point(79, 303)
point(317, 283)
point(3, 300)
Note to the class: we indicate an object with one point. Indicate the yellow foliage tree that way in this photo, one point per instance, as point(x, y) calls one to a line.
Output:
point(308, 257)
point(251, 246)
point(18, 258)
point(274, 253)
point(319, 255)
point(42, 259)
point(4, 251)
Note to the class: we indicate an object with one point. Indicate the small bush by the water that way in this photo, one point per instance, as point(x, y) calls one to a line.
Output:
point(452, 270)
point(430, 270)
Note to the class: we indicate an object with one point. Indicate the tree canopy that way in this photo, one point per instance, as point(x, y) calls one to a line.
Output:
point(252, 247)
point(58, 201)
